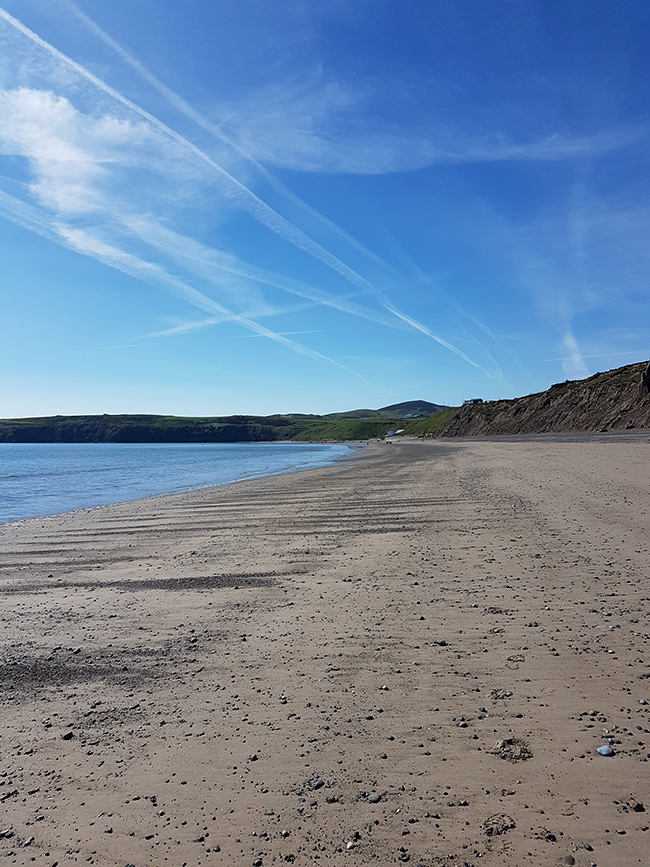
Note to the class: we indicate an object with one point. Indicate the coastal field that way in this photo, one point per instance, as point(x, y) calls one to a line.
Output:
point(409, 657)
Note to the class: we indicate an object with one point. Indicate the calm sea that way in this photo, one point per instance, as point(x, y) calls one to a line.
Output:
point(38, 479)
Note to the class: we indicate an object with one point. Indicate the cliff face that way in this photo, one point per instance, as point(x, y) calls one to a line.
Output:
point(613, 400)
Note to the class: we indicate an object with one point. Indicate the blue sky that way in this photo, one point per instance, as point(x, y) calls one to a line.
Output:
point(256, 206)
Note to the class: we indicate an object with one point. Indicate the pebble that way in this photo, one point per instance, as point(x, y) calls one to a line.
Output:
point(349, 845)
point(318, 784)
point(605, 750)
point(569, 859)
point(642, 701)
point(374, 798)
point(588, 847)
point(285, 833)
point(253, 757)
point(67, 736)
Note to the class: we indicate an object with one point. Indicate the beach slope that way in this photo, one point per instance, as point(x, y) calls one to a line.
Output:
point(412, 657)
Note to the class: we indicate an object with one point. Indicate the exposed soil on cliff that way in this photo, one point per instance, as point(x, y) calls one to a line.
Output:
point(615, 400)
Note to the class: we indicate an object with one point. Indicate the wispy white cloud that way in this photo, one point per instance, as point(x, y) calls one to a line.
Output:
point(574, 364)
point(93, 169)
point(217, 130)
point(84, 242)
point(231, 188)
point(327, 126)
point(302, 122)
point(71, 153)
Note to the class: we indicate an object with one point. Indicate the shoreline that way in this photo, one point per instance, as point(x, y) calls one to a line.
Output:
point(210, 669)
point(353, 446)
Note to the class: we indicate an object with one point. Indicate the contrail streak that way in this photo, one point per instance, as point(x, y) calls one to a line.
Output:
point(214, 129)
point(237, 192)
point(207, 261)
point(81, 242)
point(181, 105)
point(415, 324)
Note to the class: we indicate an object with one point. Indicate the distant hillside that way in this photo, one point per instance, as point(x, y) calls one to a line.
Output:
point(616, 399)
point(296, 427)
point(412, 408)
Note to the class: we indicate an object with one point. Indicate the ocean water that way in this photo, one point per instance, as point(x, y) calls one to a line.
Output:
point(38, 479)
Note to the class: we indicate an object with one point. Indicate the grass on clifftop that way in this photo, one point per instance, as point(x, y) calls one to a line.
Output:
point(430, 425)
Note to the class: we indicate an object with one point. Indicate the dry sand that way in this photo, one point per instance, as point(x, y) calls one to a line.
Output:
point(451, 626)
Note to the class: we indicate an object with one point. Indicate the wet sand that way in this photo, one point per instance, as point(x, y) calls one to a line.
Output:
point(411, 657)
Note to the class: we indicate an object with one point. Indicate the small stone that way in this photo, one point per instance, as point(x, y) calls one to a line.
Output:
point(253, 757)
point(374, 797)
point(349, 845)
point(28, 841)
point(318, 784)
point(383, 756)
point(462, 725)
point(285, 833)
point(642, 701)
point(258, 862)
point(569, 859)
point(605, 750)
point(216, 848)
point(67, 736)
point(383, 686)
point(588, 847)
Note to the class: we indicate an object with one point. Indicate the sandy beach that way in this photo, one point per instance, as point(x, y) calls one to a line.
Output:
point(410, 657)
